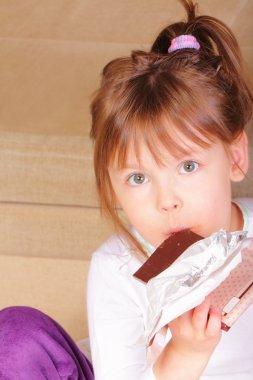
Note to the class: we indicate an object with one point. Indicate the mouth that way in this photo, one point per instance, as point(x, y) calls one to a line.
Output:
point(175, 230)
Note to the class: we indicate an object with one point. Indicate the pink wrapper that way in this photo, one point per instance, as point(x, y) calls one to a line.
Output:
point(235, 294)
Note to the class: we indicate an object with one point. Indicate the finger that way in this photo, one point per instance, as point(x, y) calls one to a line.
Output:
point(200, 315)
point(182, 323)
point(213, 327)
point(186, 317)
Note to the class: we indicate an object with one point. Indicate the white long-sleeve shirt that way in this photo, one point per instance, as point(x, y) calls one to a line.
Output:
point(117, 315)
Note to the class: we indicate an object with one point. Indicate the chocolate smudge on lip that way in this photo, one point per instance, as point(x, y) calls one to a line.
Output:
point(166, 254)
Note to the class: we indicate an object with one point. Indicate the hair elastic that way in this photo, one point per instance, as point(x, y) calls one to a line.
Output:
point(182, 42)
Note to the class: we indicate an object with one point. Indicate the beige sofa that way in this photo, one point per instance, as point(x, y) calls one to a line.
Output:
point(47, 231)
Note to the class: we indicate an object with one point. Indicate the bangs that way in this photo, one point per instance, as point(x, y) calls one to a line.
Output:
point(156, 133)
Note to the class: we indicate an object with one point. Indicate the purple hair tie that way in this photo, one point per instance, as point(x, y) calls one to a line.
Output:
point(182, 42)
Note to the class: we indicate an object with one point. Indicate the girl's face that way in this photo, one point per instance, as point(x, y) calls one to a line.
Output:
point(190, 191)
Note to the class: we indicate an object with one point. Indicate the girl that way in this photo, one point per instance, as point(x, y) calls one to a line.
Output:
point(168, 131)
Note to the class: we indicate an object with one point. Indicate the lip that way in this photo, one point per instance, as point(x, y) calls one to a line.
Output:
point(175, 230)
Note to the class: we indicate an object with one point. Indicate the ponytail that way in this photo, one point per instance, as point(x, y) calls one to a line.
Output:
point(219, 49)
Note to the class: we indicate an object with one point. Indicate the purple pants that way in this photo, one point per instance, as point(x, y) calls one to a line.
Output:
point(34, 347)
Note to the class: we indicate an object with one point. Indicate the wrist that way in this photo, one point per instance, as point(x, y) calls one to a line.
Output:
point(174, 364)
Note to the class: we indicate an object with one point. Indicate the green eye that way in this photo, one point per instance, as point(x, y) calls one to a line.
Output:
point(188, 167)
point(137, 179)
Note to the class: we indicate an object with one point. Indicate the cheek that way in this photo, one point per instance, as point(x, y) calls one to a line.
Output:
point(213, 200)
point(131, 208)
point(213, 212)
point(213, 186)
point(210, 199)
point(132, 197)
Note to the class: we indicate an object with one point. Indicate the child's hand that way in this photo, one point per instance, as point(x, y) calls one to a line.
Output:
point(197, 330)
point(195, 335)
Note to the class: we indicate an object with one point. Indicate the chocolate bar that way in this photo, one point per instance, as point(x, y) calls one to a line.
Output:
point(166, 254)
point(233, 296)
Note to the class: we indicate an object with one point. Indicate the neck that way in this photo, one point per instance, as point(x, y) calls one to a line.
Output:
point(237, 221)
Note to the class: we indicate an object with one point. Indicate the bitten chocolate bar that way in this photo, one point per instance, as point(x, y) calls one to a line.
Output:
point(233, 296)
point(166, 254)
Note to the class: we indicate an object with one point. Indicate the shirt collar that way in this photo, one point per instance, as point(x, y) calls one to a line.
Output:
point(145, 244)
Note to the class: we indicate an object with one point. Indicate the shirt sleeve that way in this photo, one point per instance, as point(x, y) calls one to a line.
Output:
point(116, 325)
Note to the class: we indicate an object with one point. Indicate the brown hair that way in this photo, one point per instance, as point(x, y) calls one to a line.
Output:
point(205, 94)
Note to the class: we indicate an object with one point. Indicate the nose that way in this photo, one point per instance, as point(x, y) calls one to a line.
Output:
point(169, 200)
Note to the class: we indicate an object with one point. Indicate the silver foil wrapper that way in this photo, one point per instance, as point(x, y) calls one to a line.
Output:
point(195, 274)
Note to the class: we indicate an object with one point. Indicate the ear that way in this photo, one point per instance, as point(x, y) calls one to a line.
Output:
point(239, 158)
